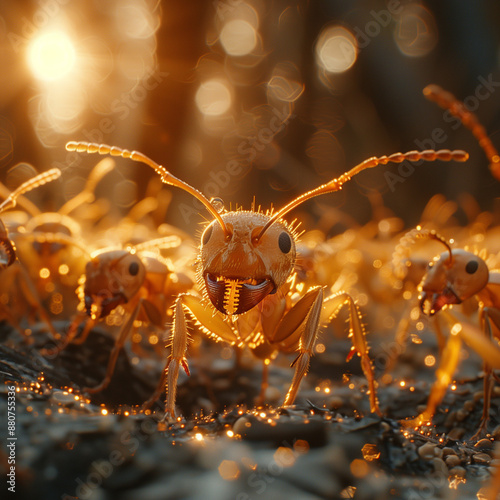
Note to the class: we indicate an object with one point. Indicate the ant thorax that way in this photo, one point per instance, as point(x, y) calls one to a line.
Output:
point(240, 268)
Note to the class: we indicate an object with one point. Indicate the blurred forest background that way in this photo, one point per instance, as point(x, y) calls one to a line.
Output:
point(250, 98)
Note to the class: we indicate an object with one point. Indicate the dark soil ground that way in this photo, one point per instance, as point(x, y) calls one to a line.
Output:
point(327, 445)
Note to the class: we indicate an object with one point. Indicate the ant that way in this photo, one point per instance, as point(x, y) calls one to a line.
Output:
point(451, 278)
point(50, 246)
point(8, 254)
point(137, 279)
point(455, 276)
point(245, 271)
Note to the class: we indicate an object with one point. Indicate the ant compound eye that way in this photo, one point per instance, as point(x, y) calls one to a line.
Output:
point(284, 242)
point(207, 234)
point(133, 269)
point(472, 266)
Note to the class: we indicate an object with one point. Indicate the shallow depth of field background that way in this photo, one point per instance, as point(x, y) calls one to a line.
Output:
point(254, 102)
point(249, 99)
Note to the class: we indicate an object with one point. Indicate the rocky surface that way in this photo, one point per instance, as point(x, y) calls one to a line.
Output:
point(327, 445)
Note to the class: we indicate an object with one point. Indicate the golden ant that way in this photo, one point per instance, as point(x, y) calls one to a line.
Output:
point(246, 276)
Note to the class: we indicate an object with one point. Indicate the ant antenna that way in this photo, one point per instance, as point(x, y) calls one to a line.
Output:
point(87, 195)
point(166, 176)
point(448, 101)
point(433, 235)
point(39, 180)
point(401, 251)
point(337, 184)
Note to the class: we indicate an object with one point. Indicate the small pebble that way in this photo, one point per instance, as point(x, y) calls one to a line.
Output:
point(462, 415)
point(456, 433)
point(439, 466)
point(484, 444)
point(478, 396)
point(251, 428)
point(450, 419)
point(457, 471)
point(63, 397)
point(496, 433)
point(385, 427)
point(481, 458)
point(426, 451)
point(448, 451)
point(272, 395)
point(242, 425)
point(452, 461)
point(221, 384)
point(335, 402)
point(469, 405)
point(495, 462)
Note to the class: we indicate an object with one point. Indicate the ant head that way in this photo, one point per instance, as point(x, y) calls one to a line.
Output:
point(111, 278)
point(7, 249)
point(451, 279)
point(240, 268)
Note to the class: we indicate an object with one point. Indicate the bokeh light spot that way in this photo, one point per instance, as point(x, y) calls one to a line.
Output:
point(430, 360)
point(51, 56)
point(285, 83)
point(213, 98)
point(229, 470)
point(238, 37)
point(336, 49)
point(135, 20)
point(416, 31)
point(125, 193)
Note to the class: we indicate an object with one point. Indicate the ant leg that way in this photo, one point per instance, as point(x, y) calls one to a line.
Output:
point(179, 338)
point(177, 358)
point(460, 329)
point(316, 312)
point(306, 346)
point(360, 347)
point(487, 323)
point(119, 343)
point(444, 373)
point(158, 391)
point(31, 296)
point(89, 324)
point(487, 389)
point(71, 334)
point(264, 384)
